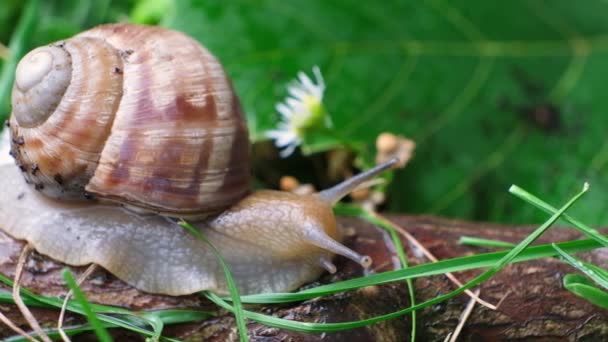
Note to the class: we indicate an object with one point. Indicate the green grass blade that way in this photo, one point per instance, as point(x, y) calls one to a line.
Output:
point(131, 320)
point(58, 302)
point(582, 266)
point(538, 232)
point(480, 242)
point(403, 259)
point(583, 288)
point(537, 202)
point(354, 211)
point(99, 328)
point(423, 270)
point(234, 291)
point(328, 327)
point(157, 325)
point(600, 272)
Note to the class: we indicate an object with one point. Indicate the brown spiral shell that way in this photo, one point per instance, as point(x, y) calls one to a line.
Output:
point(141, 115)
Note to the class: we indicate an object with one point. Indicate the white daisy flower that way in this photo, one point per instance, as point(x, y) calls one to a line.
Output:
point(302, 110)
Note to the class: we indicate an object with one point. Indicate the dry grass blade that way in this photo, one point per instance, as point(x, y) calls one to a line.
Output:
point(411, 239)
point(15, 328)
point(463, 318)
point(27, 314)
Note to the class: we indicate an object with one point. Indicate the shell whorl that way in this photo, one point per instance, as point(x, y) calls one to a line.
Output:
point(59, 154)
point(40, 81)
point(149, 118)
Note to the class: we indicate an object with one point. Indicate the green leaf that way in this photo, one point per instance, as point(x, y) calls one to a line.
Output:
point(584, 288)
point(475, 83)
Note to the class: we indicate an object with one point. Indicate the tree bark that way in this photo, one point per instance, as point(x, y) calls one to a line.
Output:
point(533, 303)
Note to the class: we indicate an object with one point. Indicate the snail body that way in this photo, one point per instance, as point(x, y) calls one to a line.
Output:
point(155, 133)
point(154, 254)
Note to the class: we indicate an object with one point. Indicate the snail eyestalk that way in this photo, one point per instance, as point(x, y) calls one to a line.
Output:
point(337, 192)
point(327, 265)
point(319, 239)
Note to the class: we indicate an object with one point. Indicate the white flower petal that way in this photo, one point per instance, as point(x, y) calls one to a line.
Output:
point(305, 80)
point(297, 92)
point(282, 139)
point(273, 133)
point(319, 77)
point(307, 84)
point(295, 105)
point(296, 111)
point(287, 151)
point(285, 111)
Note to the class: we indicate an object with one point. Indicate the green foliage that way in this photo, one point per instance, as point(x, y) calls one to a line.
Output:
point(151, 12)
point(475, 83)
point(494, 93)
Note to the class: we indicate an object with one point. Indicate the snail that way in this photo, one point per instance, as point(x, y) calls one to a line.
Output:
point(123, 129)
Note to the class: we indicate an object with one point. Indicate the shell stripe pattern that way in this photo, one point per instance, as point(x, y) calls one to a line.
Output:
point(60, 155)
point(178, 142)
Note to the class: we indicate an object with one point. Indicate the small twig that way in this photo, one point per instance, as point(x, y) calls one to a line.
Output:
point(411, 239)
point(81, 279)
point(463, 317)
point(15, 328)
point(27, 314)
point(503, 298)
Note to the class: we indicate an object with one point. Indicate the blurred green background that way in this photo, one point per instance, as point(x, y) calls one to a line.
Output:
point(493, 93)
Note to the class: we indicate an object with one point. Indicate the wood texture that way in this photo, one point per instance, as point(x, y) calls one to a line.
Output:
point(534, 304)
